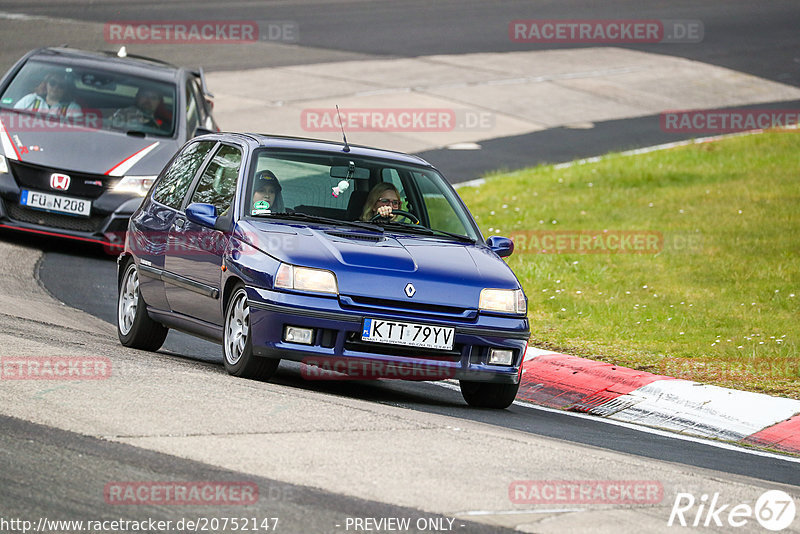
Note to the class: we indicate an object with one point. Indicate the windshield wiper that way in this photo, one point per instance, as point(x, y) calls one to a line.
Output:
point(300, 216)
point(424, 230)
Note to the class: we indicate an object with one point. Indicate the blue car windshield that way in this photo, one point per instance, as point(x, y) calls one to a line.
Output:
point(352, 188)
point(91, 98)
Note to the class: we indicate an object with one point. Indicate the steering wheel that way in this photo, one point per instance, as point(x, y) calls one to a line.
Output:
point(410, 216)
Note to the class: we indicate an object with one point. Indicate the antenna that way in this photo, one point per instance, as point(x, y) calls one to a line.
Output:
point(341, 125)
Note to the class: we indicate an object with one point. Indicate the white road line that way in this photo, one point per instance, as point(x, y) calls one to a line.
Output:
point(646, 430)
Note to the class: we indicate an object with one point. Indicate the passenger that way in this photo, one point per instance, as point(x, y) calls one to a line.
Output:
point(380, 201)
point(53, 95)
point(267, 188)
point(142, 113)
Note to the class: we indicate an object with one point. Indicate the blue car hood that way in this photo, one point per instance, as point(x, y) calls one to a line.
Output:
point(86, 150)
point(444, 272)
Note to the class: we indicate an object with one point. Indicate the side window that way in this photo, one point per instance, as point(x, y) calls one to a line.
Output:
point(218, 183)
point(438, 205)
point(173, 186)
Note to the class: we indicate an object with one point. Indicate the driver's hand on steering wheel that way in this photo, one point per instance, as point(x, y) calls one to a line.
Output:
point(385, 211)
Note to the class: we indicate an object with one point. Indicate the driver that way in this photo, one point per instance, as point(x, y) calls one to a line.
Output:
point(267, 192)
point(142, 113)
point(380, 201)
point(53, 95)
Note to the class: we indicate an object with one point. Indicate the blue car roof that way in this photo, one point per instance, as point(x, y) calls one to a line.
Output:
point(334, 147)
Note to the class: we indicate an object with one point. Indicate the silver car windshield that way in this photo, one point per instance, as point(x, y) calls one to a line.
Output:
point(91, 98)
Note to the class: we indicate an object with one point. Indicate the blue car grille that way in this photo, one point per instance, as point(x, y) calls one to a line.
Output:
point(353, 343)
point(452, 312)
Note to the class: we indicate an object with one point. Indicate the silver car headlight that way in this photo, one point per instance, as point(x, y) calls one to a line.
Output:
point(138, 185)
point(306, 279)
point(503, 300)
point(3, 165)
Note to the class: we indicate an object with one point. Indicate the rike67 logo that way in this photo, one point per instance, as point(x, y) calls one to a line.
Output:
point(774, 510)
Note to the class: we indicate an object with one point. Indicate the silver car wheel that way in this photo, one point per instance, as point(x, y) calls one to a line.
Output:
point(128, 300)
point(237, 327)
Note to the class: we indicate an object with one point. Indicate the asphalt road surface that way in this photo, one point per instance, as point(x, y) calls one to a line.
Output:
point(47, 472)
point(761, 40)
point(33, 489)
point(91, 288)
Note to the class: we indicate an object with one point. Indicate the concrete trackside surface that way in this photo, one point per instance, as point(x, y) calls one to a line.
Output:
point(434, 463)
point(468, 98)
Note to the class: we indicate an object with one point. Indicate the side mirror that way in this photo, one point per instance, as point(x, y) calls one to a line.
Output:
point(202, 214)
point(502, 246)
point(223, 223)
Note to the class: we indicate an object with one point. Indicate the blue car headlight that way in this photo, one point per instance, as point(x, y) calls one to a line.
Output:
point(306, 279)
point(503, 301)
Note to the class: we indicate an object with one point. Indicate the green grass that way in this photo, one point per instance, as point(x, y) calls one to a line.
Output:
point(718, 303)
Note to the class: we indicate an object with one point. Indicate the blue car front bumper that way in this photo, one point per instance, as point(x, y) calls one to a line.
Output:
point(337, 326)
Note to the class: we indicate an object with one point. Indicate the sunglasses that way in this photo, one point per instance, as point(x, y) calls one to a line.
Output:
point(387, 201)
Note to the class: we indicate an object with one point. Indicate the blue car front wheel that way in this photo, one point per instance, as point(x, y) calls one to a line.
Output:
point(237, 346)
point(488, 395)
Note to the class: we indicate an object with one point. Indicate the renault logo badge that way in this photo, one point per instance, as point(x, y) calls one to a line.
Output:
point(410, 290)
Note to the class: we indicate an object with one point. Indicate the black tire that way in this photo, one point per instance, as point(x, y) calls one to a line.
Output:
point(488, 395)
point(135, 328)
point(237, 347)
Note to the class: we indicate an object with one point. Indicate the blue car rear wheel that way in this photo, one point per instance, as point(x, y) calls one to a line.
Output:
point(135, 328)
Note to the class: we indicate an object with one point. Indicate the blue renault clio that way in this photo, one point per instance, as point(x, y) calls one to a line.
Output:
point(356, 262)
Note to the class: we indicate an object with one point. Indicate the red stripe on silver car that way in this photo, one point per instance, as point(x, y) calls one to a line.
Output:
point(125, 165)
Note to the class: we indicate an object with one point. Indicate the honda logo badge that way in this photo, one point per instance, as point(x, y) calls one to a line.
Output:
point(59, 181)
point(410, 290)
